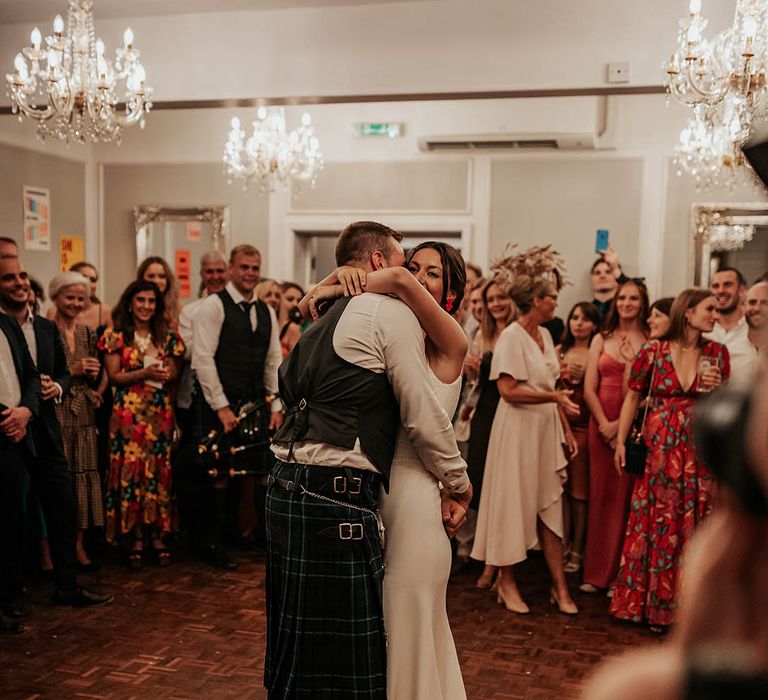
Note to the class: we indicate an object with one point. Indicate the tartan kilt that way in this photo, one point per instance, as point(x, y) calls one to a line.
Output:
point(325, 622)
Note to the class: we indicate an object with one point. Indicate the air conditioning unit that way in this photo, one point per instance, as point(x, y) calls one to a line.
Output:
point(526, 124)
point(509, 142)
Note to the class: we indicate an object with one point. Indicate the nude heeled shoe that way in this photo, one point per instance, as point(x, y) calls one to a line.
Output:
point(515, 606)
point(564, 608)
point(486, 580)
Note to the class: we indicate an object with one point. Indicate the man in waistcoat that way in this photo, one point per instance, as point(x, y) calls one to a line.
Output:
point(235, 356)
point(352, 380)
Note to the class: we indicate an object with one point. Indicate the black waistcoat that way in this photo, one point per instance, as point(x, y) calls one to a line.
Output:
point(334, 401)
point(241, 352)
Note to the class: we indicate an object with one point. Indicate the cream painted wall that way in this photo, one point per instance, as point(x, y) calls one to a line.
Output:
point(66, 181)
point(171, 185)
point(563, 203)
point(398, 47)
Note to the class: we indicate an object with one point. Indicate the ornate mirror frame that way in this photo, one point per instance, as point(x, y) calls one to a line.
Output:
point(703, 217)
point(216, 215)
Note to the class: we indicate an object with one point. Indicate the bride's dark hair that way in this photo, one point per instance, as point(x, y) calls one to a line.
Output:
point(454, 272)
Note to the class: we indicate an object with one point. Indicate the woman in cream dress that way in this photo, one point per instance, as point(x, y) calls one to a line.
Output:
point(520, 505)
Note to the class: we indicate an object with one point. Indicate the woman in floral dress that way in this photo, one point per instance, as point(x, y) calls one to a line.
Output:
point(676, 492)
point(142, 356)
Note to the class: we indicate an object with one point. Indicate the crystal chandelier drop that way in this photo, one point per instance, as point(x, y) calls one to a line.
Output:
point(724, 237)
point(271, 156)
point(68, 85)
point(724, 81)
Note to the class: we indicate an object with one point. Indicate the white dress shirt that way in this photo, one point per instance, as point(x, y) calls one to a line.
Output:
point(207, 321)
point(10, 388)
point(742, 352)
point(381, 334)
point(187, 381)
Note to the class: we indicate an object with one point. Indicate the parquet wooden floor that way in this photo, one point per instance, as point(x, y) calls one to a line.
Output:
point(189, 631)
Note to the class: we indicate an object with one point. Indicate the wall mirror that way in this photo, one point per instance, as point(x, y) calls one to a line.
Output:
point(729, 234)
point(181, 235)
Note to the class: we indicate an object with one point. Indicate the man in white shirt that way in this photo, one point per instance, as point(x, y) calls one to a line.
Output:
point(757, 315)
point(356, 376)
point(235, 356)
point(731, 329)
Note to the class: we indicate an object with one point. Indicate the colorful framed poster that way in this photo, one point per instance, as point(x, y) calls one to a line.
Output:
point(71, 251)
point(37, 218)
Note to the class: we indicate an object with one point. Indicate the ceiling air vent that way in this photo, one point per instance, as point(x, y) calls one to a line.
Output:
point(507, 142)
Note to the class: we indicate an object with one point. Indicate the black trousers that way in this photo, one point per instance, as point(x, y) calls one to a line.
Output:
point(47, 468)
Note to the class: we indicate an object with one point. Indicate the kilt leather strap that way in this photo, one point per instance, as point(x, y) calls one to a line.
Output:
point(349, 530)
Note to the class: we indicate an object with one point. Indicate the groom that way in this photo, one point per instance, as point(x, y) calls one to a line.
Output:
point(354, 378)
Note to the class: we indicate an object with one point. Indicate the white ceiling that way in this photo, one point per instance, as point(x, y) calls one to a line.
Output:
point(18, 11)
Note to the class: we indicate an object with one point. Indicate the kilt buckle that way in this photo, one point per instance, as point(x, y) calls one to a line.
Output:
point(351, 485)
point(351, 531)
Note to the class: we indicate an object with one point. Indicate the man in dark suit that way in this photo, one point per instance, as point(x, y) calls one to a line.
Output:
point(43, 455)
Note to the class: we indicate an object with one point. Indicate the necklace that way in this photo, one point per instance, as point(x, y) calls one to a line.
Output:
point(142, 342)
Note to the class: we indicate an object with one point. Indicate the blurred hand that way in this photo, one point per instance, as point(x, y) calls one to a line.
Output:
point(48, 389)
point(620, 457)
point(14, 421)
point(611, 257)
point(158, 373)
point(609, 429)
point(562, 399)
point(276, 420)
point(228, 419)
point(351, 279)
point(321, 294)
point(571, 444)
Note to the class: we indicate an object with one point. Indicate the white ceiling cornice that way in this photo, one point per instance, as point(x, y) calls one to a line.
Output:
point(43, 11)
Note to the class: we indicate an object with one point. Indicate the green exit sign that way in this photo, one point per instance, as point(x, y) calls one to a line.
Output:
point(391, 130)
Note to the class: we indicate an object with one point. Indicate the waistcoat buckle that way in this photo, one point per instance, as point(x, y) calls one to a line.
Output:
point(351, 531)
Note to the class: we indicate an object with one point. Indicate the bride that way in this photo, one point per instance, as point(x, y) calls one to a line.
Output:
point(421, 658)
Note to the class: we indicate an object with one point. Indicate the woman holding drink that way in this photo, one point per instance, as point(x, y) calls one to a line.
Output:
point(143, 354)
point(675, 493)
point(76, 412)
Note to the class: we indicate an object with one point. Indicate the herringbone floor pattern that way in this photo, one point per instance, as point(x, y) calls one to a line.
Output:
point(188, 632)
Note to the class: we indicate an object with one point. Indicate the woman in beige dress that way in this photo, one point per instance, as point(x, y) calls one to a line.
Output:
point(520, 505)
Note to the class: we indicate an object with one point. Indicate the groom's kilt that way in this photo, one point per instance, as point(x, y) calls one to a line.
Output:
point(325, 626)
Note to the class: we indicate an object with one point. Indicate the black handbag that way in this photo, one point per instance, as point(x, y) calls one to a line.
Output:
point(635, 449)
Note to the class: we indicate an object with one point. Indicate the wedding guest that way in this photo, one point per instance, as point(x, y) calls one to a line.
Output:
point(623, 334)
point(606, 276)
point(498, 313)
point(8, 248)
point(675, 493)
point(268, 291)
point(68, 292)
point(730, 288)
point(757, 316)
point(582, 324)
point(36, 296)
point(289, 317)
point(143, 354)
point(464, 316)
point(156, 269)
point(658, 318)
point(521, 506)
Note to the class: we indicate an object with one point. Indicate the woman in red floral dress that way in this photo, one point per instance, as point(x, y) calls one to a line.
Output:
point(676, 492)
point(142, 356)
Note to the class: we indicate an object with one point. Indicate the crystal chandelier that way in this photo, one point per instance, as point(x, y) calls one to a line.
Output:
point(724, 81)
point(724, 237)
point(710, 151)
point(271, 156)
point(70, 88)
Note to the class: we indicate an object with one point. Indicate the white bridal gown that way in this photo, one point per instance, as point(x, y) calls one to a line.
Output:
point(421, 658)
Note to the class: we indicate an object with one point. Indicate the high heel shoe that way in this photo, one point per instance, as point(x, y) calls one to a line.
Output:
point(564, 608)
point(573, 563)
point(516, 606)
point(486, 579)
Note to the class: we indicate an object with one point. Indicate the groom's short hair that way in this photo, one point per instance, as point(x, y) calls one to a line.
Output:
point(361, 239)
